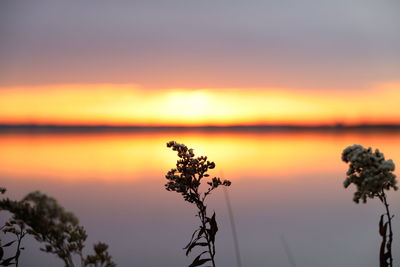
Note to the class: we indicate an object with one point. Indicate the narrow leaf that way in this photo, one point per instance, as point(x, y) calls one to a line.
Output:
point(213, 228)
point(200, 262)
point(191, 239)
point(197, 261)
point(9, 244)
point(384, 229)
point(201, 232)
point(7, 261)
point(194, 245)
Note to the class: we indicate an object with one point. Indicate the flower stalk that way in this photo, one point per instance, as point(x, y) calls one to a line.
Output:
point(186, 179)
point(373, 175)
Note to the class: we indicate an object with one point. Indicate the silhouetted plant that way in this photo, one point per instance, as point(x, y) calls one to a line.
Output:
point(186, 179)
point(372, 175)
point(101, 258)
point(43, 218)
point(16, 228)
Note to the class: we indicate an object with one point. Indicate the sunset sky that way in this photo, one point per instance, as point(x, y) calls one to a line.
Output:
point(199, 62)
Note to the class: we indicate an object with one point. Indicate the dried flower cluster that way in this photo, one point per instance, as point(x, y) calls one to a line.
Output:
point(43, 218)
point(189, 172)
point(369, 171)
point(186, 179)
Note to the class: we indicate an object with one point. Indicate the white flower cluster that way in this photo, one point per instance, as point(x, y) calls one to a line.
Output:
point(369, 171)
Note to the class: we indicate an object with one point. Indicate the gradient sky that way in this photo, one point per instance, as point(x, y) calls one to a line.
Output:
point(245, 62)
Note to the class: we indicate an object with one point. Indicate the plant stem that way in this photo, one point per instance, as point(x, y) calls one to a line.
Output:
point(82, 260)
point(70, 262)
point(389, 216)
point(20, 236)
point(203, 215)
point(233, 227)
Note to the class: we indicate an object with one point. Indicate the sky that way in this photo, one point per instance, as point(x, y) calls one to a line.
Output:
point(199, 62)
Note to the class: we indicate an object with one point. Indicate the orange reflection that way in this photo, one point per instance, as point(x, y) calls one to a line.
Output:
point(117, 157)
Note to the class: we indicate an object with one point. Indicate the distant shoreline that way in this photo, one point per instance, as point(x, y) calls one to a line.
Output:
point(33, 128)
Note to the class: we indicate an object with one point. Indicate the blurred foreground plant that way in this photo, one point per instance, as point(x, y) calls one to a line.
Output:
point(16, 228)
point(42, 217)
point(186, 179)
point(372, 175)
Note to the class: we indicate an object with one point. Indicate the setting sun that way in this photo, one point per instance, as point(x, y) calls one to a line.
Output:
point(130, 105)
point(189, 106)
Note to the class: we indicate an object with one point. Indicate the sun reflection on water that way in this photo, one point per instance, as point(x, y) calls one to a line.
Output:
point(128, 156)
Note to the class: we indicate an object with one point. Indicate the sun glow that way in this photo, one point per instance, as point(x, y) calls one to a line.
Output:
point(190, 106)
point(110, 104)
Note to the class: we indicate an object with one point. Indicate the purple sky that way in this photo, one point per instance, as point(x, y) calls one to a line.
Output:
point(337, 44)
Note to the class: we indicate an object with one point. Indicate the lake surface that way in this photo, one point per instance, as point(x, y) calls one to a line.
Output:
point(287, 194)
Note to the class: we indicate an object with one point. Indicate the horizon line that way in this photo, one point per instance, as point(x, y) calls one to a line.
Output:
point(239, 127)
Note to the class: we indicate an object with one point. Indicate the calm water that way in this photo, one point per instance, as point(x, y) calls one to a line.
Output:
point(284, 186)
